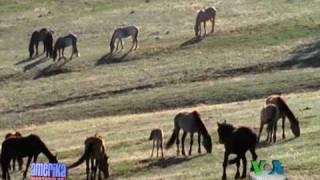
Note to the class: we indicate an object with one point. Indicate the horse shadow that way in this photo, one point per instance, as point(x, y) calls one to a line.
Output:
point(111, 58)
point(27, 59)
point(34, 64)
point(52, 69)
point(171, 161)
point(191, 41)
point(264, 144)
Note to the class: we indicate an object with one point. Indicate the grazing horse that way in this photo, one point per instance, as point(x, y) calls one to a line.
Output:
point(203, 16)
point(124, 33)
point(37, 36)
point(270, 114)
point(157, 136)
point(192, 123)
point(29, 146)
point(15, 134)
point(95, 152)
point(236, 141)
point(62, 43)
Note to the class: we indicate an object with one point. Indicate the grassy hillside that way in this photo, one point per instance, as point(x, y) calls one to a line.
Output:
point(129, 150)
point(259, 48)
point(253, 39)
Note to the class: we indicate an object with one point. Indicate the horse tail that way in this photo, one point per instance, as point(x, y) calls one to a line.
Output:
point(86, 154)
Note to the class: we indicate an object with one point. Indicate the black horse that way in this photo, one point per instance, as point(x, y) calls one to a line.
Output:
point(45, 36)
point(29, 146)
point(237, 141)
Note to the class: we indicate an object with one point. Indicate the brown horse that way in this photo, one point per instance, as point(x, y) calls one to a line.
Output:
point(95, 152)
point(15, 134)
point(192, 123)
point(156, 135)
point(269, 114)
point(62, 43)
point(203, 16)
point(29, 146)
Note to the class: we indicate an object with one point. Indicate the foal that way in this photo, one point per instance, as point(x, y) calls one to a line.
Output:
point(157, 136)
point(15, 134)
point(94, 152)
point(236, 141)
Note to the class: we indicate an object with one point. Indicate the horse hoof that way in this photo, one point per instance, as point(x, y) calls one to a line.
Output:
point(237, 175)
point(243, 176)
point(224, 177)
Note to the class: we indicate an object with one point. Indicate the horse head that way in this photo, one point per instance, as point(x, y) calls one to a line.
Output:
point(105, 166)
point(295, 128)
point(207, 143)
point(224, 131)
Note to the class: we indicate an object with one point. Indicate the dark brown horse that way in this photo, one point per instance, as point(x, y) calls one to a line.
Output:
point(43, 35)
point(15, 134)
point(190, 123)
point(237, 141)
point(29, 146)
point(124, 32)
point(62, 43)
point(270, 117)
point(203, 16)
point(94, 151)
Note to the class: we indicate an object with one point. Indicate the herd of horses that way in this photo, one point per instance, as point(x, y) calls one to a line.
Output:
point(56, 50)
point(236, 141)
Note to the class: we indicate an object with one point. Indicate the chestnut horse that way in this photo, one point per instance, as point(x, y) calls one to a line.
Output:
point(271, 114)
point(190, 123)
point(94, 151)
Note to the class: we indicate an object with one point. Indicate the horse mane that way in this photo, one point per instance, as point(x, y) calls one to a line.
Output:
point(200, 123)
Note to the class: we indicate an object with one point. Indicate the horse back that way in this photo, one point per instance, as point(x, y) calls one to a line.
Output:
point(242, 139)
point(186, 121)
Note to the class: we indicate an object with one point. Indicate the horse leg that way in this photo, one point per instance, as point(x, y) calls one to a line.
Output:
point(275, 132)
point(20, 163)
point(92, 168)
point(212, 22)
point(14, 163)
point(199, 142)
point(157, 149)
point(37, 44)
point(224, 165)
point(182, 143)
point(283, 124)
point(27, 167)
point(152, 149)
point(244, 164)
point(191, 143)
point(238, 166)
point(205, 28)
point(121, 43)
point(63, 53)
point(177, 142)
point(252, 150)
point(136, 42)
point(260, 131)
point(161, 146)
point(95, 162)
point(87, 168)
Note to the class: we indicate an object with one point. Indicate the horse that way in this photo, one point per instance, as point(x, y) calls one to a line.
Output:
point(190, 123)
point(157, 136)
point(236, 141)
point(62, 43)
point(275, 109)
point(15, 134)
point(94, 151)
point(43, 35)
point(203, 16)
point(29, 146)
point(124, 33)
